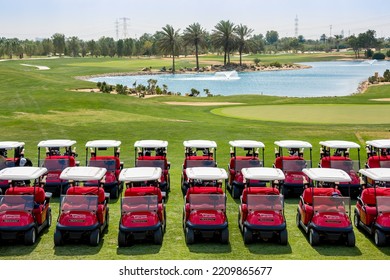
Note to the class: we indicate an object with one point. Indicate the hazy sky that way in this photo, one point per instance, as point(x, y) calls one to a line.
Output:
point(92, 19)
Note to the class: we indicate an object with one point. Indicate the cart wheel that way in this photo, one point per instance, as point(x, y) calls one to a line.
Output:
point(298, 219)
point(283, 237)
point(235, 192)
point(94, 238)
point(49, 217)
point(248, 235)
point(122, 239)
point(107, 219)
point(165, 222)
point(225, 236)
point(379, 238)
point(158, 236)
point(190, 237)
point(239, 219)
point(114, 193)
point(356, 220)
point(350, 239)
point(58, 240)
point(30, 236)
point(314, 237)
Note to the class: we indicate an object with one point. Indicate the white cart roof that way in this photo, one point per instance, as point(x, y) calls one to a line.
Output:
point(83, 173)
point(22, 173)
point(206, 173)
point(56, 143)
point(379, 143)
point(289, 144)
point(246, 144)
point(151, 144)
point(103, 144)
point(339, 144)
point(199, 144)
point(263, 173)
point(327, 174)
point(139, 174)
point(377, 174)
point(8, 145)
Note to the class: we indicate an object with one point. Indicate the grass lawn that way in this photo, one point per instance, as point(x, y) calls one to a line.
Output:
point(38, 105)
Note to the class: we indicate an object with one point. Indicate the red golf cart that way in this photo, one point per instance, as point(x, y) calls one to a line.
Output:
point(24, 208)
point(84, 212)
point(261, 212)
point(323, 212)
point(235, 183)
point(142, 209)
point(372, 211)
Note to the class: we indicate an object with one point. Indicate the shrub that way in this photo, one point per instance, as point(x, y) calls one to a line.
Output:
point(388, 53)
point(256, 61)
point(386, 76)
point(378, 56)
point(276, 64)
point(369, 53)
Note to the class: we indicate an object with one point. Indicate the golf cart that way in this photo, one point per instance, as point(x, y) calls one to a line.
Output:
point(372, 211)
point(378, 153)
point(111, 163)
point(142, 209)
point(261, 212)
point(24, 208)
point(204, 211)
point(235, 183)
point(84, 212)
point(336, 154)
point(323, 212)
point(7, 160)
point(153, 153)
point(58, 156)
point(289, 157)
point(197, 153)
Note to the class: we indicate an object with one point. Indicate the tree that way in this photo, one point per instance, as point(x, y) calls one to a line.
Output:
point(272, 37)
point(169, 42)
point(354, 44)
point(338, 39)
point(58, 43)
point(223, 37)
point(74, 46)
point(47, 46)
point(194, 34)
point(243, 34)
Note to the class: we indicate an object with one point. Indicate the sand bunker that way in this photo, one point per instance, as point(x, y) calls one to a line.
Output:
point(37, 66)
point(202, 103)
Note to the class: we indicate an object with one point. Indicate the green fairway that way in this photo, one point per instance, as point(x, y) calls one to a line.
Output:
point(38, 105)
point(321, 114)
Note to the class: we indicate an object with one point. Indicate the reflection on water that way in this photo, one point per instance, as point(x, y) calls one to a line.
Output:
point(335, 78)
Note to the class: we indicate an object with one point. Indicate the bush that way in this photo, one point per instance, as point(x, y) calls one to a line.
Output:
point(388, 53)
point(369, 53)
point(256, 61)
point(378, 56)
point(386, 76)
point(276, 64)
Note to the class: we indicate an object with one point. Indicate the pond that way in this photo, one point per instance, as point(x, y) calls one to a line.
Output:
point(333, 78)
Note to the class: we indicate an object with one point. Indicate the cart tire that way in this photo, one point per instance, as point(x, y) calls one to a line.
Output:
point(94, 238)
point(356, 220)
point(165, 222)
point(235, 192)
point(379, 238)
point(225, 236)
point(248, 235)
point(239, 219)
point(58, 240)
point(114, 193)
point(283, 237)
point(158, 236)
point(298, 219)
point(351, 240)
point(30, 236)
point(190, 236)
point(49, 217)
point(314, 238)
point(107, 218)
point(122, 242)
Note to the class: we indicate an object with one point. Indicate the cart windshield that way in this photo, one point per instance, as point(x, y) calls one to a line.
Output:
point(385, 164)
point(139, 203)
point(151, 163)
point(200, 163)
point(107, 164)
point(240, 164)
point(383, 203)
point(207, 202)
point(336, 204)
point(257, 202)
point(56, 164)
point(294, 165)
point(16, 202)
point(346, 165)
point(79, 202)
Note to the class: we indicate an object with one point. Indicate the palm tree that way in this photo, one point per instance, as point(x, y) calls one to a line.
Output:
point(223, 36)
point(194, 34)
point(169, 42)
point(243, 34)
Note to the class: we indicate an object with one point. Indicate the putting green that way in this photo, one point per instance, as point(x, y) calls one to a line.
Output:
point(311, 113)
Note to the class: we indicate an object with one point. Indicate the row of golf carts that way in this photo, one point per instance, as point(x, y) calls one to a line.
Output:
point(323, 211)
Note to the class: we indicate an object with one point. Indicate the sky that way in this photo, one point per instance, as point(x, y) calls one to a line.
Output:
point(92, 19)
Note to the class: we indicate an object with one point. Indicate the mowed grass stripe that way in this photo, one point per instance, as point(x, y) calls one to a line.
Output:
point(311, 113)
